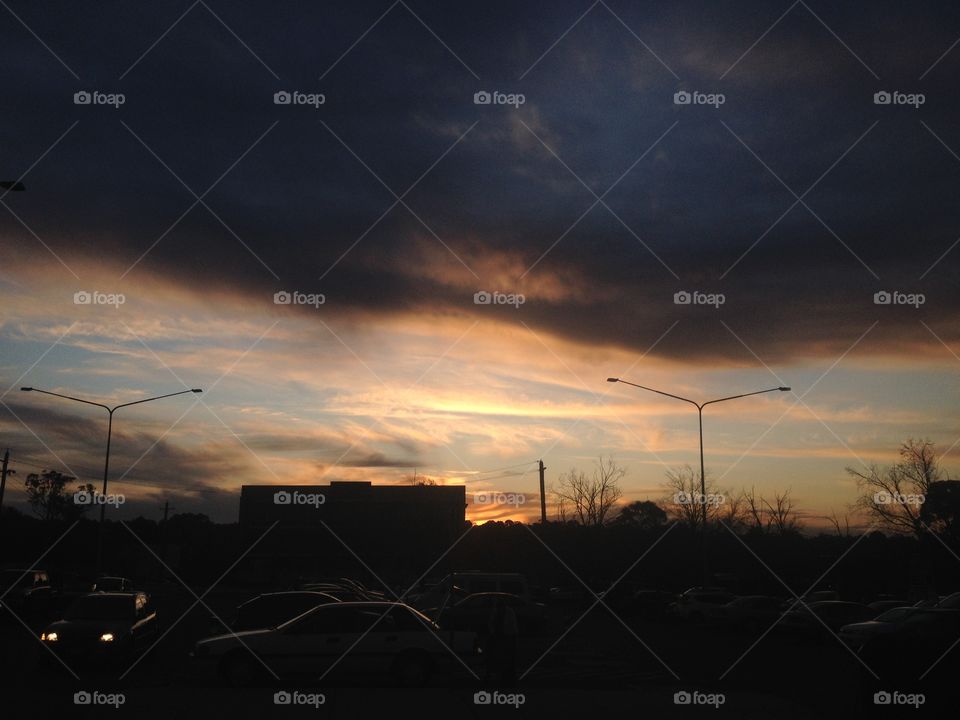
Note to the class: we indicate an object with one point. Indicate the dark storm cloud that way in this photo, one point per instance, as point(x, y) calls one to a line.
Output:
point(801, 101)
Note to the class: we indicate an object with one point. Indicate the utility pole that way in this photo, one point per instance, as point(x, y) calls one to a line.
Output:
point(166, 510)
point(543, 495)
point(3, 476)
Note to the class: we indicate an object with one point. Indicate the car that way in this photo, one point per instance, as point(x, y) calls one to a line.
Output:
point(917, 645)
point(651, 604)
point(752, 612)
point(344, 593)
point(856, 634)
point(950, 602)
point(473, 613)
point(272, 609)
point(833, 614)
point(881, 606)
point(104, 625)
point(109, 583)
point(26, 591)
point(701, 603)
point(372, 638)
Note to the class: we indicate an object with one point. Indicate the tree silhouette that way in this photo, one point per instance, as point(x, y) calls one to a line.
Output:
point(643, 514)
point(49, 498)
point(588, 500)
point(893, 497)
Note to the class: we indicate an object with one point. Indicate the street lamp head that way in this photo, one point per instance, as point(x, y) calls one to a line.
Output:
point(784, 389)
point(26, 389)
point(196, 390)
point(613, 379)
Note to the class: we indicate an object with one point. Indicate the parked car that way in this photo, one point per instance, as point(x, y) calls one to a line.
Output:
point(104, 625)
point(112, 584)
point(700, 603)
point(651, 604)
point(272, 609)
point(473, 613)
point(833, 614)
point(752, 612)
point(26, 591)
point(918, 644)
point(950, 602)
point(371, 638)
point(881, 606)
point(344, 592)
point(856, 634)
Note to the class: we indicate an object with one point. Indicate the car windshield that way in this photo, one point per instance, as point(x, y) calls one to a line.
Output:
point(893, 615)
point(102, 607)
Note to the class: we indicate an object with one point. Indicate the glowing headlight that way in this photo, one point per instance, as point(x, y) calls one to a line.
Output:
point(106, 637)
point(49, 637)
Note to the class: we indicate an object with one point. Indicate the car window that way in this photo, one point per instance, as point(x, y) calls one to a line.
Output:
point(329, 619)
point(512, 586)
point(477, 586)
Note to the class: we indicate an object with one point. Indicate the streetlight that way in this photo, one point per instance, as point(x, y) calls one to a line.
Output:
point(703, 484)
point(106, 464)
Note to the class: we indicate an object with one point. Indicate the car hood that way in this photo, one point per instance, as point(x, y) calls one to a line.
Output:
point(229, 639)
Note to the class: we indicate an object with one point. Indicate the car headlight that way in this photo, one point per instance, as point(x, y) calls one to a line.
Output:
point(49, 637)
point(106, 637)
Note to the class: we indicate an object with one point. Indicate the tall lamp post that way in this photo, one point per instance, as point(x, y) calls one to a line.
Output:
point(703, 484)
point(106, 463)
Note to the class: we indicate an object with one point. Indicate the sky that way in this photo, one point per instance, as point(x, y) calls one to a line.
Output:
point(588, 197)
